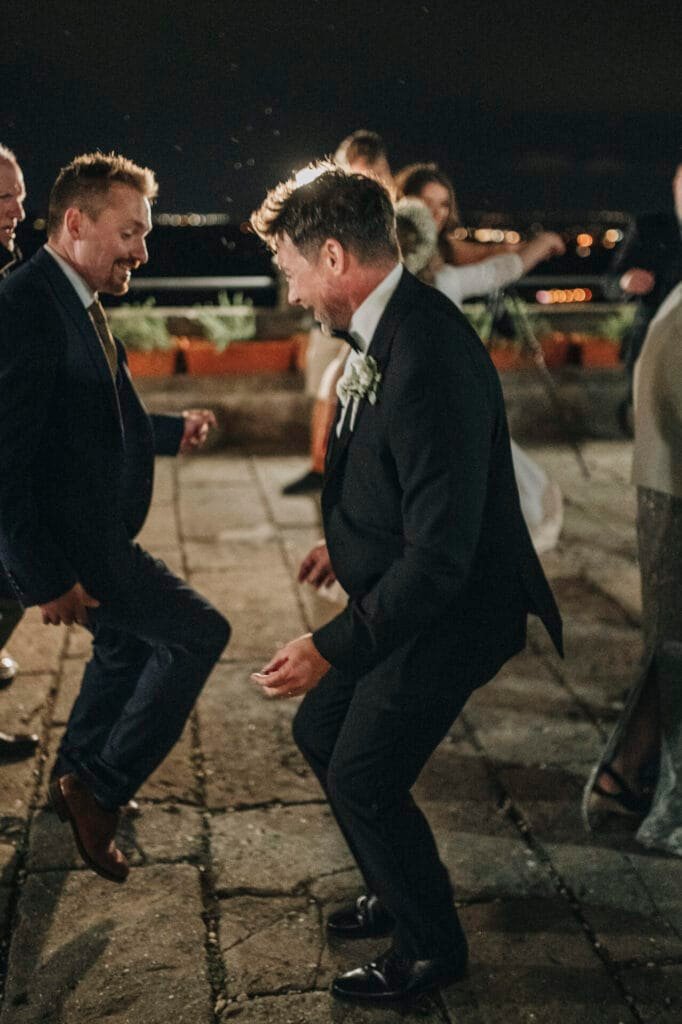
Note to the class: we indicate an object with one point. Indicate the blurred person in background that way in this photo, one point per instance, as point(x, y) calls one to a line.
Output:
point(362, 152)
point(647, 266)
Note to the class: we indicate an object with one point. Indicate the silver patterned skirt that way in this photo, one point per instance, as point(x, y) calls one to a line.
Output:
point(659, 539)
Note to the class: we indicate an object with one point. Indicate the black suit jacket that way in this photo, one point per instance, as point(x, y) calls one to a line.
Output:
point(421, 510)
point(76, 448)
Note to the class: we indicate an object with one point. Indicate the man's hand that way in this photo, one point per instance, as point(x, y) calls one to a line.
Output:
point(197, 425)
point(296, 668)
point(70, 607)
point(637, 281)
point(316, 567)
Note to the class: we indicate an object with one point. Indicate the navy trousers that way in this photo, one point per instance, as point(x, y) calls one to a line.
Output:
point(367, 739)
point(155, 641)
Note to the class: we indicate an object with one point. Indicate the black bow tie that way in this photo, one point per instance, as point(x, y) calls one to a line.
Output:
point(347, 336)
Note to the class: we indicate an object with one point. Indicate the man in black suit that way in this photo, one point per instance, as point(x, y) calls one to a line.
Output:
point(424, 531)
point(12, 197)
point(76, 451)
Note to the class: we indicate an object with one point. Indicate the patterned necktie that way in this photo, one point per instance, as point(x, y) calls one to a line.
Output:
point(99, 319)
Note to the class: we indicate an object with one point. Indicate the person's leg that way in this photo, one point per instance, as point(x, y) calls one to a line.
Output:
point(377, 759)
point(183, 637)
point(11, 613)
point(108, 682)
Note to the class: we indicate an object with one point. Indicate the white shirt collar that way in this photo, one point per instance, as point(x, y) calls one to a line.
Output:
point(366, 317)
point(82, 289)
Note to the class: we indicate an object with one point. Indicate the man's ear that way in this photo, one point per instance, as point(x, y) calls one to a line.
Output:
point(335, 256)
point(73, 221)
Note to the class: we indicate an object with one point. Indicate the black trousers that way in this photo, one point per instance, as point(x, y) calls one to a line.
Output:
point(155, 642)
point(367, 740)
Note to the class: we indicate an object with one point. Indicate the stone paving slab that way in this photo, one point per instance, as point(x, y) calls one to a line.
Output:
point(487, 867)
point(167, 833)
point(85, 950)
point(253, 548)
point(202, 469)
point(206, 512)
point(160, 529)
point(524, 737)
point(23, 702)
point(36, 647)
point(320, 1008)
point(276, 850)
point(530, 962)
point(286, 510)
point(249, 754)
point(269, 945)
point(262, 610)
point(616, 902)
point(656, 992)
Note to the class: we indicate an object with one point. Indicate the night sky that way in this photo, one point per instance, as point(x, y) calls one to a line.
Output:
point(526, 105)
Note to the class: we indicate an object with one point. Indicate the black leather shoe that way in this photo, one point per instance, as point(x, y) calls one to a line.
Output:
point(306, 484)
point(391, 978)
point(15, 746)
point(366, 918)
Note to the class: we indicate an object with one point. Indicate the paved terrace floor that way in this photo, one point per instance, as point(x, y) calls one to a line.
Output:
point(236, 859)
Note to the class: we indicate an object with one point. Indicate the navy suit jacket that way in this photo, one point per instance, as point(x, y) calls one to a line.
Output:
point(421, 510)
point(76, 448)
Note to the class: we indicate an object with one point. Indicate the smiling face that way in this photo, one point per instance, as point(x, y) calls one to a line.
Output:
point(107, 249)
point(12, 196)
point(437, 198)
point(316, 284)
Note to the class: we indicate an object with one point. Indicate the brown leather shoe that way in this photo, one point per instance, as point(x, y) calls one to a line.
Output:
point(94, 828)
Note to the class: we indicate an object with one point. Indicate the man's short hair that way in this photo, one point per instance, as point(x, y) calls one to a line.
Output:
point(86, 182)
point(7, 156)
point(351, 208)
point(361, 145)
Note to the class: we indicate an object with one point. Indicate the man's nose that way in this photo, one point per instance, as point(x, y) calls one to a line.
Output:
point(294, 299)
point(17, 211)
point(140, 252)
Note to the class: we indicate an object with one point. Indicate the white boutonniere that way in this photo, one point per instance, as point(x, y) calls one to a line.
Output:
point(362, 381)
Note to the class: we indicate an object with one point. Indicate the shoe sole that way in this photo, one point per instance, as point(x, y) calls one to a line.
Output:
point(61, 808)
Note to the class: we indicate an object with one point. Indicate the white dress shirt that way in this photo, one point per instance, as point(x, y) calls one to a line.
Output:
point(83, 290)
point(363, 324)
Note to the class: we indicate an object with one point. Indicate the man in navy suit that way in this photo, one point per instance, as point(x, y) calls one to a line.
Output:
point(76, 453)
point(423, 529)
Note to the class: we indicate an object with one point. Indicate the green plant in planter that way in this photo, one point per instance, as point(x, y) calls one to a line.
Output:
point(139, 329)
point(235, 322)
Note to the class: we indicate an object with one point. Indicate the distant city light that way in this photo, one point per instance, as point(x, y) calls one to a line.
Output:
point(512, 237)
point(563, 295)
point(583, 251)
point(584, 240)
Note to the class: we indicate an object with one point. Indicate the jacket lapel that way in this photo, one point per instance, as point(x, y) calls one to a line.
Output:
point(397, 308)
point(68, 299)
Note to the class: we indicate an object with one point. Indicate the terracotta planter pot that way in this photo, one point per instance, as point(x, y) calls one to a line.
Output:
point(555, 349)
point(157, 363)
point(240, 357)
point(599, 352)
point(508, 359)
